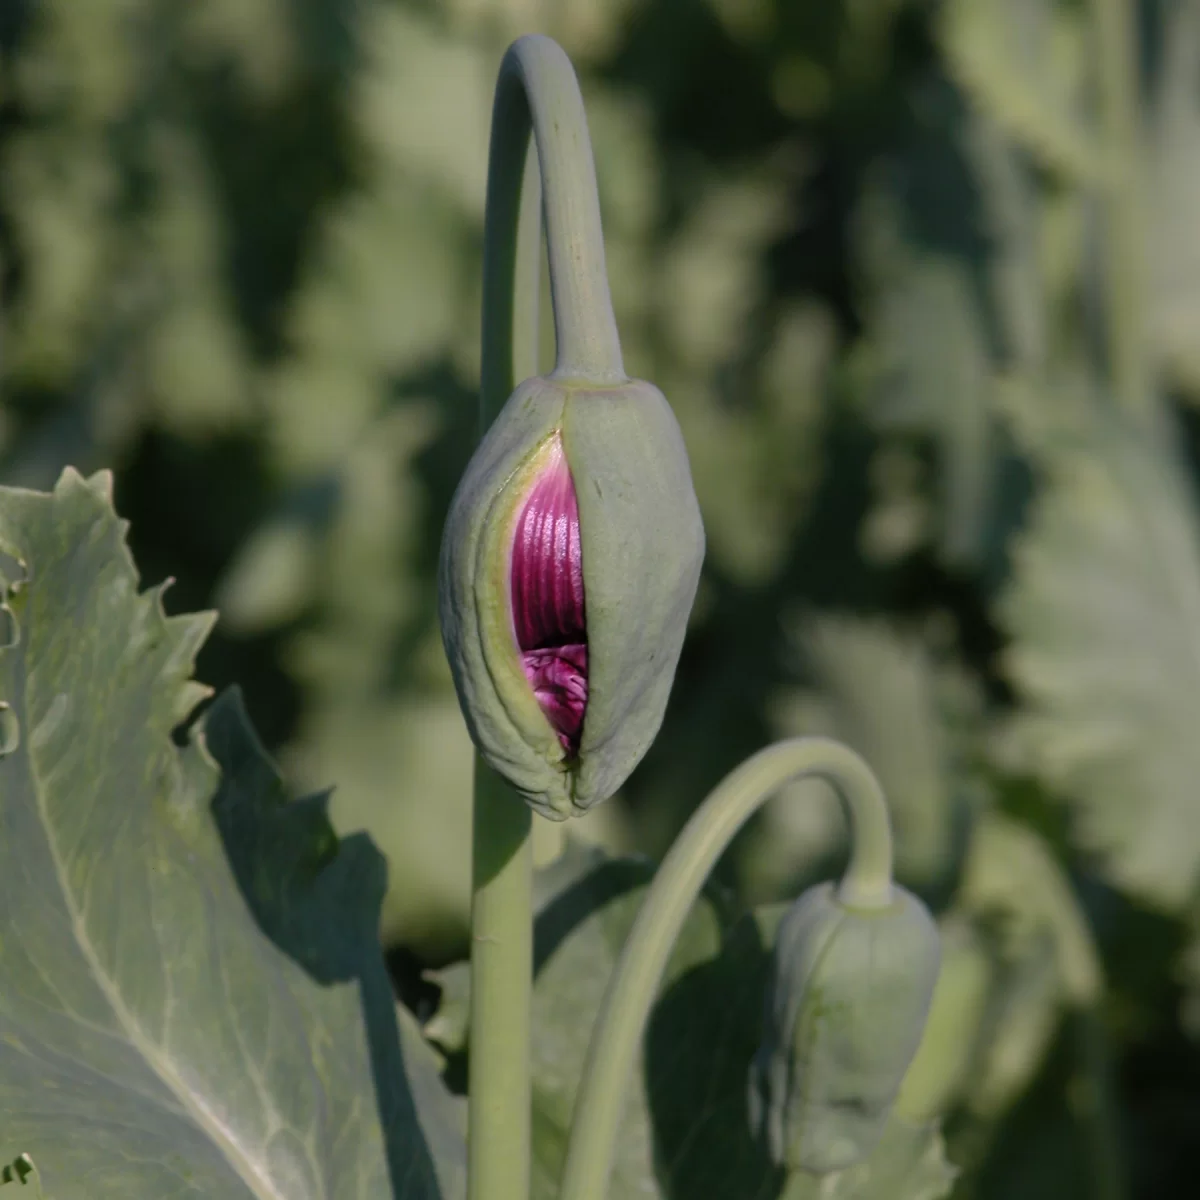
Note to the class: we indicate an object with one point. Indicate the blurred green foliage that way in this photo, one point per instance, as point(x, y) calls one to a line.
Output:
point(861, 247)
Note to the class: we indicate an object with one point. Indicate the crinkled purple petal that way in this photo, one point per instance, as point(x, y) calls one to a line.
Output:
point(547, 597)
point(558, 675)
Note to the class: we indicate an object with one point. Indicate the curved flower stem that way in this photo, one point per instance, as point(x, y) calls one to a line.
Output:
point(537, 88)
point(498, 1103)
point(527, 278)
point(867, 883)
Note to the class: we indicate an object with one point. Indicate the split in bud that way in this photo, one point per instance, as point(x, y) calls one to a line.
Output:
point(547, 598)
point(569, 564)
point(846, 1006)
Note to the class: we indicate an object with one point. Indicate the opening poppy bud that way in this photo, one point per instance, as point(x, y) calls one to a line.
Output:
point(569, 564)
point(846, 1006)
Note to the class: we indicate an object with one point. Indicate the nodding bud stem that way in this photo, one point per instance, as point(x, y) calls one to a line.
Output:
point(572, 549)
point(549, 616)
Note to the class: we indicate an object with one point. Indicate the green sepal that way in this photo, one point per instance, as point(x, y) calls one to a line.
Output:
point(475, 605)
point(643, 546)
point(847, 1001)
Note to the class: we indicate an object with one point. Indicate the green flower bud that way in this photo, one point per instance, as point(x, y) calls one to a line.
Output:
point(846, 1006)
point(569, 564)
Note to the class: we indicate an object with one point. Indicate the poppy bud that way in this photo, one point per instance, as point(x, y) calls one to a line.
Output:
point(569, 564)
point(847, 1000)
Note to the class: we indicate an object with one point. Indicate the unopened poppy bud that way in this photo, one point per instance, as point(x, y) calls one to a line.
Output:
point(846, 1005)
point(569, 564)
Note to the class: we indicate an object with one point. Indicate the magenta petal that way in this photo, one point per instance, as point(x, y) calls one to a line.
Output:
point(547, 564)
point(547, 597)
point(558, 675)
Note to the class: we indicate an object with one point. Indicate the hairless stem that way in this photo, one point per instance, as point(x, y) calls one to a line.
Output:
point(867, 883)
point(537, 90)
point(548, 179)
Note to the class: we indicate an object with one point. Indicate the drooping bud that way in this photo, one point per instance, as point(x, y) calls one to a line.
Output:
point(846, 1005)
point(569, 564)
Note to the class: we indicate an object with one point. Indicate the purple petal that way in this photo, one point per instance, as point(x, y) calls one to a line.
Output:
point(558, 675)
point(547, 597)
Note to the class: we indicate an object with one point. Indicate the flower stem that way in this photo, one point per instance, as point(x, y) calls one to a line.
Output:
point(867, 883)
point(498, 1101)
point(537, 88)
point(498, 1142)
point(1124, 275)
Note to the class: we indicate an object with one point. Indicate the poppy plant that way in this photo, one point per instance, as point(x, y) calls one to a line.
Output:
point(570, 560)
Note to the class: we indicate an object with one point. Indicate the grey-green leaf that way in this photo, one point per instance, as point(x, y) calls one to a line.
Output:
point(1104, 616)
point(946, 237)
point(1022, 60)
point(163, 1032)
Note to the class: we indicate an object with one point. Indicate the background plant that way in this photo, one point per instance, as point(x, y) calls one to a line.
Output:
point(863, 249)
